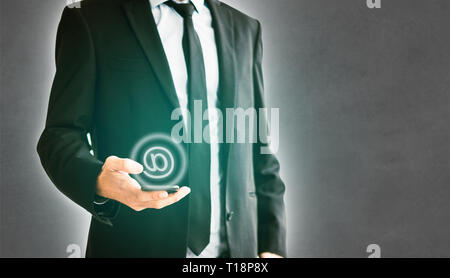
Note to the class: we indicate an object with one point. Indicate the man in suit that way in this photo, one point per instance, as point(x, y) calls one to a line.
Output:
point(123, 66)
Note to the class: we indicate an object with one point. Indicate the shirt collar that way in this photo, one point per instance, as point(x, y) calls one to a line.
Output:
point(197, 3)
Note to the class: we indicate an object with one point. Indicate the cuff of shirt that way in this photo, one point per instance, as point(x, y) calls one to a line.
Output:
point(106, 209)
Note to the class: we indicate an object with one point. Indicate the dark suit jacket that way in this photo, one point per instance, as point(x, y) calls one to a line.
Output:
point(113, 81)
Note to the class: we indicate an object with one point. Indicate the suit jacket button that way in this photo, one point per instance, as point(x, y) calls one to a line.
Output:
point(230, 215)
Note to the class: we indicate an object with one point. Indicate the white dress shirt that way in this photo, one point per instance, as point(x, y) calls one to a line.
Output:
point(170, 29)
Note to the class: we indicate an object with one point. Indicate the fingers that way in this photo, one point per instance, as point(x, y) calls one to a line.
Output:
point(125, 165)
point(267, 255)
point(154, 195)
point(173, 198)
point(161, 199)
point(153, 199)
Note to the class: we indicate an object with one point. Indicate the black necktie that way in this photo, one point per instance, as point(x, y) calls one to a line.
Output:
point(199, 153)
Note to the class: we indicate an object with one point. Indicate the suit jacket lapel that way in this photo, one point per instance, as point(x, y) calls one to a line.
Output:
point(143, 24)
point(223, 31)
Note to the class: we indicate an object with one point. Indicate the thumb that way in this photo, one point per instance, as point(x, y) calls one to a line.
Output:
point(123, 164)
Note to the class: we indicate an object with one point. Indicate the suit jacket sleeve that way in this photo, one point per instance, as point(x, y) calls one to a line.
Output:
point(269, 186)
point(63, 146)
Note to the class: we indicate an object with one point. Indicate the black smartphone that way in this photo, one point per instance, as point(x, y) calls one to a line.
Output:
point(169, 188)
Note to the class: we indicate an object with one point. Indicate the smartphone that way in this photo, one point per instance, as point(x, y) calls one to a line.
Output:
point(169, 188)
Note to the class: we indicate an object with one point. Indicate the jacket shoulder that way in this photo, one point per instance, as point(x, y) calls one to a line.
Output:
point(89, 6)
point(240, 16)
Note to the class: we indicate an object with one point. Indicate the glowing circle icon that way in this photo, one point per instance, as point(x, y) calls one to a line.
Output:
point(163, 159)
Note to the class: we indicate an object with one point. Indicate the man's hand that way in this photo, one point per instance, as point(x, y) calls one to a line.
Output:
point(115, 183)
point(267, 255)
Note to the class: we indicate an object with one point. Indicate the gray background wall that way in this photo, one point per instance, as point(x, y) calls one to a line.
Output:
point(365, 136)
